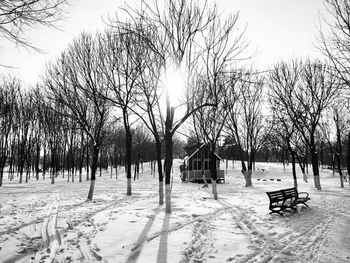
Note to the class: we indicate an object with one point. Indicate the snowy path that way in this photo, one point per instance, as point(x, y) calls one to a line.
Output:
point(129, 229)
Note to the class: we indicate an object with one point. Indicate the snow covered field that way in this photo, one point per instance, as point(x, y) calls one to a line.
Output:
point(119, 228)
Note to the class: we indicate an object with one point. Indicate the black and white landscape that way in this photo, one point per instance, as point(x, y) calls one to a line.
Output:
point(174, 131)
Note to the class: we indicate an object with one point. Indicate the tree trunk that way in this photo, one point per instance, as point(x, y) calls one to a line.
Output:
point(203, 173)
point(151, 163)
point(81, 160)
point(44, 163)
point(322, 156)
point(53, 157)
point(338, 157)
point(87, 164)
point(248, 177)
point(100, 166)
point(252, 160)
point(333, 161)
point(37, 159)
point(168, 138)
point(95, 153)
point(66, 161)
point(247, 174)
point(214, 187)
point(302, 167)
point(2, 165)
point(339, 170)
point(11, 171)
point(80, 172)
point(116, 164)
point(128, 145)
point(348, 157)
point(111, 165)
point(168, 165)
point(73, 165)
point(1, 175)
point(27, 172)
point(293, 170)
point(160, 171)
point(213, 172)
point(21, 167)
point(315, 169)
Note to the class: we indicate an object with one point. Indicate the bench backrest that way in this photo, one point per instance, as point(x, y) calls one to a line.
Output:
point(275, 196)
point(290, 193)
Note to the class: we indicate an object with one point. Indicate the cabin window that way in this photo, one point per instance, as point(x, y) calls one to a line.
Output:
point(206, 165)
point(190, 166)
point(199, 163)
point(195, 164)
point(206, 153)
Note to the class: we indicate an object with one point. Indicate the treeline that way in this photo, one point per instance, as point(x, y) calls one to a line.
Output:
point(297, 110)
point(278, 154)
point(36, 138)
point(120, 77)
point(105, 83)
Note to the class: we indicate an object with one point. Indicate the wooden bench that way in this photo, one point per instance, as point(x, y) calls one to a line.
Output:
point(286, 199)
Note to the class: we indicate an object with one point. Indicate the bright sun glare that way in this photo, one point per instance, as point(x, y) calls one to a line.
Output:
point(174, 83)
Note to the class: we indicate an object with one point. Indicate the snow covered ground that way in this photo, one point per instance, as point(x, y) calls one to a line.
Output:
point(119, 228)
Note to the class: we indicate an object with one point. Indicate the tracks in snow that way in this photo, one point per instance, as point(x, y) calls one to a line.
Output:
point(299, 237)
point(305, 237)
point(73, 231)
point(51, 238)
point(78, 240)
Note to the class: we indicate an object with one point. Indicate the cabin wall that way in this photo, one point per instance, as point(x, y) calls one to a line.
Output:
point(194, 176)
point(195, 162)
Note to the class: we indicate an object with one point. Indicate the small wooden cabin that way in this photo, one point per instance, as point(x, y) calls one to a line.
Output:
point(198, 159)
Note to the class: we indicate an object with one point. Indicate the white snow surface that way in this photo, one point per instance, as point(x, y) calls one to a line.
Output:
point(115, 227)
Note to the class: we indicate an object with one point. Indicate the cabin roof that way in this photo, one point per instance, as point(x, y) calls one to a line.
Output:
point(190, 155)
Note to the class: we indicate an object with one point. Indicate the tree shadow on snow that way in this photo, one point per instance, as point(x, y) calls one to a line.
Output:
point(137, 248)
point(163, 242)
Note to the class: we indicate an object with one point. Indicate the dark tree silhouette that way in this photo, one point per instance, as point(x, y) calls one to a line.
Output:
point(304, 90)
point(76, 83)
point(18, 16)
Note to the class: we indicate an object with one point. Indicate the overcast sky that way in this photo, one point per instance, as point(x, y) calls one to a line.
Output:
point(278, 29)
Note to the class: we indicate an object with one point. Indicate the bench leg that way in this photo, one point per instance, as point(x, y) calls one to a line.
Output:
point(277, 212)
point(304, 204)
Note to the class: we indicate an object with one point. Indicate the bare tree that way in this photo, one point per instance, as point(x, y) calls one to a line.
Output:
point(209, 122)
point(181, 25)
point(149, 108)
point(76, 84)
point(334, 128)
point(304, 90)
point(121, 66)
point(148, 100)
point(335, 44)
point(9, 89)
point(52, 124)
point(249, 126)
point(18, 16)
point(284, 133)
point(221, 47)
point(25, 122)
